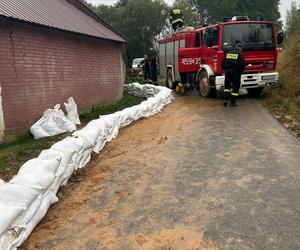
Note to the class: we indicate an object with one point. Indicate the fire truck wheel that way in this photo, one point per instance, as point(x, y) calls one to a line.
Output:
point(255, 92)
point(203, 83)
point(169, 81)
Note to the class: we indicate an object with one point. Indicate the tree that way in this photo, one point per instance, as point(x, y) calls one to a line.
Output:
point(139, 20)
point(212, 11)
point(121, 3)
point(293, 19)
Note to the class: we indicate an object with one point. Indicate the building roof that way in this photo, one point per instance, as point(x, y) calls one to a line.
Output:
point(66, 15)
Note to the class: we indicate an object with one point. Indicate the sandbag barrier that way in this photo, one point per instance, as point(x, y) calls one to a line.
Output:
point(26, 198)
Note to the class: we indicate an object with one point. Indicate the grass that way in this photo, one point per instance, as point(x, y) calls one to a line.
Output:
point(4, 161)
point(284, 99)
point(16, 152)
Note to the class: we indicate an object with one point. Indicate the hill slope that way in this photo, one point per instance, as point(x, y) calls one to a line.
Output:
point(285, 98)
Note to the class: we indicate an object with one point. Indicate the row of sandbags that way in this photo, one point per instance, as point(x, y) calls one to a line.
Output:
point(25, 199)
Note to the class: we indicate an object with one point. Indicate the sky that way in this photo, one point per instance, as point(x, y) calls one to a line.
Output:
point(284, 5)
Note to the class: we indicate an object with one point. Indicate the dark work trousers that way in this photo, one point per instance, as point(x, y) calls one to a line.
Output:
point(232, 84)
point(146, 75)
point(154, 75)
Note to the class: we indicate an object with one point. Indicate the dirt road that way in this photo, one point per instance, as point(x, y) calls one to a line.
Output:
point(195, 176)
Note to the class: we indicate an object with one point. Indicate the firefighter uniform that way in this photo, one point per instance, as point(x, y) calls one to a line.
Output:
point(176, 19)
point(234, 65)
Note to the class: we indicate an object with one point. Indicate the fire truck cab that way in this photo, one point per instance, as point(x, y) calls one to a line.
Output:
point(194, 56)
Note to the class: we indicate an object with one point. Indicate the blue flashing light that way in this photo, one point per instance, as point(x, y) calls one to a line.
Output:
point(225, 19)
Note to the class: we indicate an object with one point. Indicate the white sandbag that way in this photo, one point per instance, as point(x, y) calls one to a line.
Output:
point(72, 113)
point(39, 165)
point(71, 145)
point(65, 168)
point(100, 145)
point(145, 109)
point(89, 132)
point(101, 141)
point(23, 218)
point(85, 156)
point(17, 195)
point(103, 130)
point(38, 180)
point(50, 155)
point(53, 122)
point(125, 117)
point(62, 173)
point(8, 214)
point(129, 115)
point(68, 144)
point(14, 200)
point(112, 124)
point(39, 174)
point(6, 240)
point(38, 216)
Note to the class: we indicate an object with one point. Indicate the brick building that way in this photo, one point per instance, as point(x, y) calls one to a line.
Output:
point(51, 50)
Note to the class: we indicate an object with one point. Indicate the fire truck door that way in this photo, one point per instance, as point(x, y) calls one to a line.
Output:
point(189, 59)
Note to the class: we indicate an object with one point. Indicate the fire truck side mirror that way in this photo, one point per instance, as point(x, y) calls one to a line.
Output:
point(280, 37)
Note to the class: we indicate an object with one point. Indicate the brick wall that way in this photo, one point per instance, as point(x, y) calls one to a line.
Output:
point(40, 67)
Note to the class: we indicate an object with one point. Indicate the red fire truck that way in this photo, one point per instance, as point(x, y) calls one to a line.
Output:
point(194, 56)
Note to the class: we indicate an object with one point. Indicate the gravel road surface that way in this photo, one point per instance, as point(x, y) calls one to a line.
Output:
point(195, 176)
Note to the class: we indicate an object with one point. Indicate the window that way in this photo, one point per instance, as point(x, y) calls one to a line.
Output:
point(252, 36)
point(211, 37)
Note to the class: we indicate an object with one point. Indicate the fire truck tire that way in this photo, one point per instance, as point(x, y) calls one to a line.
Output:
point(169, 81)
point(255, 92)
point(203, 82)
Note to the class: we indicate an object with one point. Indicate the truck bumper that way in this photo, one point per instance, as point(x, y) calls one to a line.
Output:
point(251, 80)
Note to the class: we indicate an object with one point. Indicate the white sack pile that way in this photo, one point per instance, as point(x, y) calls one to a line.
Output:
point(54, 121)
point(25, 199)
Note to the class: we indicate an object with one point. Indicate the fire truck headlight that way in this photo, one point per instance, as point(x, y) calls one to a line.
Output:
point(269, 65)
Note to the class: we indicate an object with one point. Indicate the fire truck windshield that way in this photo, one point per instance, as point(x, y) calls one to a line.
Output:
point(253, 36)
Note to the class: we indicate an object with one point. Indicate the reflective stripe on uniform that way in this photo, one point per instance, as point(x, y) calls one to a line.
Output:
point(227, 90)
point(177, 20)
point(177, 11)
point(234, 94)
point(232, 56)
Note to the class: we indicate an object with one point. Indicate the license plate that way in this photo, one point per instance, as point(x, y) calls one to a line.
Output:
point(271, 77)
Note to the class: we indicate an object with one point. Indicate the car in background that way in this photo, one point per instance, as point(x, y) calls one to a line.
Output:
point(137, 66)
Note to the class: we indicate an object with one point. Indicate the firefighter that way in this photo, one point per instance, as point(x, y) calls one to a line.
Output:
point(146, 68)
point(176, 19)
point(153, 69)
point(233, 65)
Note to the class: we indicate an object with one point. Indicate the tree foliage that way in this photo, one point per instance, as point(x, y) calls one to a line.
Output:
point(211, 11)
point(139, 20)
point(293, 20)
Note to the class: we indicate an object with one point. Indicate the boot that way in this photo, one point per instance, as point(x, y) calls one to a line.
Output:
point(227, 98)
point(233, 101)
